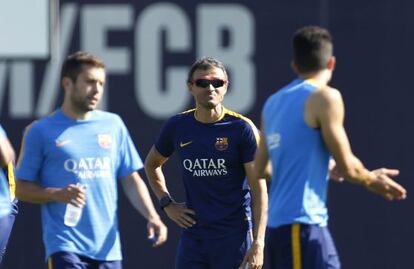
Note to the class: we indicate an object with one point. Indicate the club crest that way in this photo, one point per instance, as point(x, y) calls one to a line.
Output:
point(222, 143)
point(104, 141)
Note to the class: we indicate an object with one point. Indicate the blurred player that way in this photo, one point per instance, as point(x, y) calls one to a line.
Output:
point(8, 205)
point(303, 125)
point(78, 144)
point(216, 149)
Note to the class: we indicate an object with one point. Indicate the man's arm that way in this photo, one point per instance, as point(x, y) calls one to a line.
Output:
point(178, 212)
point(32, 192)
point(334, 174)
point(262, 164)
point(327, 107)
point(254, 257)
point(7, 154)
point(137, 193)
point(153, 168)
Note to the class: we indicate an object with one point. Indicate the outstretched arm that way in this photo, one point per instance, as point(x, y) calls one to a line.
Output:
point(137, 193)
point(178, 212)
point(328, 109)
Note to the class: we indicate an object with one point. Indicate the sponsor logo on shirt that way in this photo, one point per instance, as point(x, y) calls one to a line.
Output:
point(205, 167)
point(89, 167)
point(105, 141)
point(222, 143)
point(273, 140)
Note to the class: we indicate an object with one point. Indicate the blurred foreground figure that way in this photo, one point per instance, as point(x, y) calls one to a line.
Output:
point(76, 155)
point(302, 127)
point(8, 203)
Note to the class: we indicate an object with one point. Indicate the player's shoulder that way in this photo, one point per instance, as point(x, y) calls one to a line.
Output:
point(182, 120)
point(236, 116)
point(106, 114)
point(242, 123)
point(108, 117)
point(182, 116)
point(326, 96)
point(270, 100)
point(239, 119)
point(185, 114)
point(42, 124)
point(274, 98)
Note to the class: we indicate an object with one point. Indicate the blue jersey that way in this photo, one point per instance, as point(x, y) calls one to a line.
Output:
point(5, 200)
point(211, 158)
point(58, 151)
point(299, 159)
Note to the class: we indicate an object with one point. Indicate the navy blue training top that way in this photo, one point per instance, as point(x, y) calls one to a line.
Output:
point(212, 156)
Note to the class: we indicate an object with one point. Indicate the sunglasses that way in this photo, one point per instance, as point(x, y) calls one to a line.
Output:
point(204, 83)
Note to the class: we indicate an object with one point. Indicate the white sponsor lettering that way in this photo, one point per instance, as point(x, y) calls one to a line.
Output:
point(206, 167)
point(273, 140)
point(204, 173)
point(89, 167)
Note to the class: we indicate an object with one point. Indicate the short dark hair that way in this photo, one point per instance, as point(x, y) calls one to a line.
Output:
point(73, 64)
point(205, 63)
point(312, 48)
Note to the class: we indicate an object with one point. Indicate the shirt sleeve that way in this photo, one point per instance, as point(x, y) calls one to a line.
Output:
point(31, 154)
point(130, 160)
point(250, 140)
point(2, 133)
point(165, 141)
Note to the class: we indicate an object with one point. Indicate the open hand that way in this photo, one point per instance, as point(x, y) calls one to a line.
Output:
point(385, 186)
point(180, 214)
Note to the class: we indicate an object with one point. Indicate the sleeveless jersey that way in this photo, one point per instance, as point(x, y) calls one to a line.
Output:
point(299, 159)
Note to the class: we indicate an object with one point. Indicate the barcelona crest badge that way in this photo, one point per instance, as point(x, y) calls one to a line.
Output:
point(222, 143)
point(104, 141)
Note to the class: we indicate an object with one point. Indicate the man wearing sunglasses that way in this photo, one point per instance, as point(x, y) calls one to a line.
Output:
point(302, 126)
point(216, 148)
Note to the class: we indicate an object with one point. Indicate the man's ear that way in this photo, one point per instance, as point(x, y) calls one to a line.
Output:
point(190, 88)
point(227, 87)
point(294, 67)
point(66, 82)
point(331, 63)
